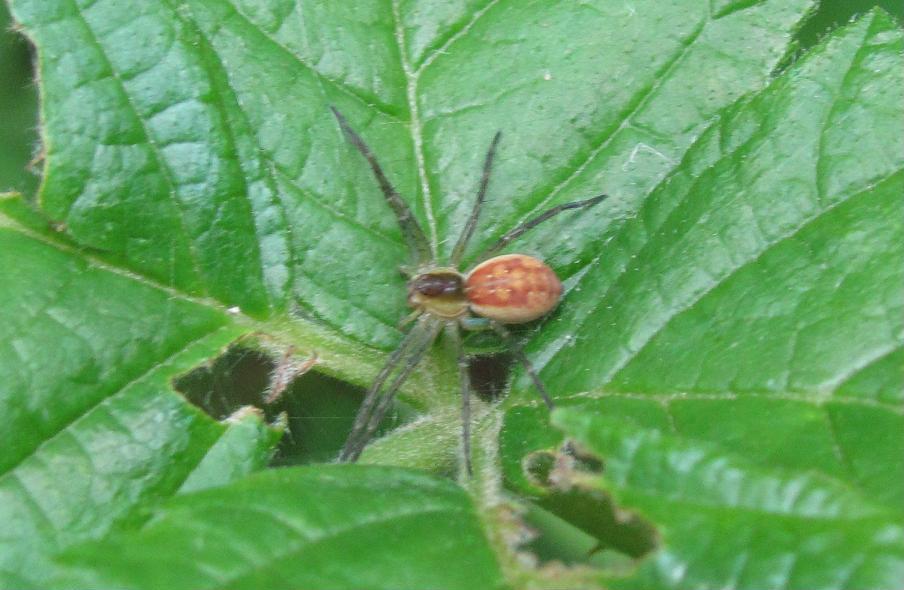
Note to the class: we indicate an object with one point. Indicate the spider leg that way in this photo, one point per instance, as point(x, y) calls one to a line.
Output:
point(468, 230)
point(408, 355)
point(522, 358)
point(531, 224)
point(431, 332)
point(417, 241)
point(464, 380)
point(410, 318)
point(370, 398)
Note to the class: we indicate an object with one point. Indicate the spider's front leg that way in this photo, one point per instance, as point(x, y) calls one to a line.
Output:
point(418, 245)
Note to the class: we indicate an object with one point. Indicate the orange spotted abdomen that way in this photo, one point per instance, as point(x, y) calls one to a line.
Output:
point(512, 289)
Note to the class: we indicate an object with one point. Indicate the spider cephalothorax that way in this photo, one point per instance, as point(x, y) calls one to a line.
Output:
point(439, 291)
point(506, 289)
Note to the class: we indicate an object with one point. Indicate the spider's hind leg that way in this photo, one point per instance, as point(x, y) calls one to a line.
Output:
point(379, 397)
point(464, 380)
point(525, 362)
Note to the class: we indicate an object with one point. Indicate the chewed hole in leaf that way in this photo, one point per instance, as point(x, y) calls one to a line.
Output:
point(596, 514)
point(489, 375)
point(542, 467)
point(319, 409)
point(590, 512)
point(556, 541)
point(239, 377)
point(538, 468)
point(582, 460)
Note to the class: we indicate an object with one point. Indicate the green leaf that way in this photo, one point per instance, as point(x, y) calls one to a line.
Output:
point(199, 190)
point(89, 431)
point(726, 520)
point(316, 527)
point(171, 148)
point(749, 382)
point(768, 262)
point(245, 447)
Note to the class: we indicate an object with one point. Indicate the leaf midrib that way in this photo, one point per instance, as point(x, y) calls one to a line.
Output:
point(411, 81)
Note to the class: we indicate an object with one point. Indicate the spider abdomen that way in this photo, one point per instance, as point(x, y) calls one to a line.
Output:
point(512, 288)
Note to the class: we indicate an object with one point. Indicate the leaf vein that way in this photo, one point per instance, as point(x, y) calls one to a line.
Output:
point(265, 170)
point(370, 101)
point(310, 541)
point(453, 36)
point(64, 428)
point(641, 100)
point(152, 144)
point(697, 297)
point(417, 134)
point(728, 396)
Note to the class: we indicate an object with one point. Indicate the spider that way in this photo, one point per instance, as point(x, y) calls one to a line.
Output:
point(497, 290)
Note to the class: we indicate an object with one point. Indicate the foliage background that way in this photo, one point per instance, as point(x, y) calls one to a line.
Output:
point(18, 95)
point(571, 525)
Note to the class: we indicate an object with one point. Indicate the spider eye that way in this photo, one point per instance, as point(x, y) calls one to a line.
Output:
point(432, 289)
point(438, 285)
